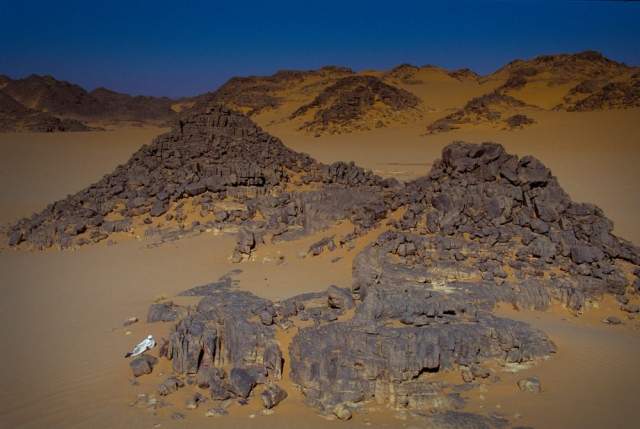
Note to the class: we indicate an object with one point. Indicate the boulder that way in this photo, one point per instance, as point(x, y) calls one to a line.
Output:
point(339, 298)
point(142, 365)
point(272, 396)
point(241, 382)
point(531, 384)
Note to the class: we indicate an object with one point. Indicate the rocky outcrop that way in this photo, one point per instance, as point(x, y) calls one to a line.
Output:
point(489, 108)
point(254, 94)
point(611, 95)
point(209, 159)
point(483, 228)
point(362, 359)
point(355, 102)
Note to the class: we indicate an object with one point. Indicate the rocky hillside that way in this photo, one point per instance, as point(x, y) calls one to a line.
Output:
point(254, 94)
point(356, 103)
point(483, 227)
point(186, 178)
point(334, 99)
point(16, 117)
point(602, 94)
point(66, 100)
point(495, 109)
point(550, 81)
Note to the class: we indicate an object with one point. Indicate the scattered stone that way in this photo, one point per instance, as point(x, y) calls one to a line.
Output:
point(130, 321)
point(170, 385)
point(612, 320)
point(195, 400)
point(216, 412)
point(142, 365)
point(342, 412)
point(177, 416)
point(630, 308)
point(531, 384)
point(272, 396)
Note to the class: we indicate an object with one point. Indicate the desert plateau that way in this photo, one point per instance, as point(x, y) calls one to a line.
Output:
point(273, 239)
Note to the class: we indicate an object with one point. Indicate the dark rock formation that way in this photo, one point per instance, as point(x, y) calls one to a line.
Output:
point(254, 94)
point(464, 74)
point(613, 95)
point(213, 155)
point(484, 227)
point(164, 312)
point(357, 360)
point(345, 103)
point(488, 108)
point(142, 365)
point(273, 395)
point(519, 121)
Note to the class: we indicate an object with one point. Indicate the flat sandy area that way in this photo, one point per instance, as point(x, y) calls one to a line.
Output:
point(62, 311)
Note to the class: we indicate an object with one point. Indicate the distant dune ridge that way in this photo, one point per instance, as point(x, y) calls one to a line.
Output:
point(337, 100)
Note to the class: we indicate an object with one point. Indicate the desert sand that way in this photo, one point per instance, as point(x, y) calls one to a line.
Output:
point(62, 311)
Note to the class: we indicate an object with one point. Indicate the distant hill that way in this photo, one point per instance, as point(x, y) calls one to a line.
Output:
point(356, 103)
point(336, 99)
point(67, 100)
point(16, 117)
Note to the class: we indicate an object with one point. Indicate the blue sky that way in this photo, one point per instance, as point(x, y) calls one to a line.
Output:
point(183, 48)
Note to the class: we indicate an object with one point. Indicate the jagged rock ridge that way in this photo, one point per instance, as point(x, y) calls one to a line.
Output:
point(212, 157)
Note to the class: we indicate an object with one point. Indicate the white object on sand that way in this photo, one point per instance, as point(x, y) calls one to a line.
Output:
point(146, 344)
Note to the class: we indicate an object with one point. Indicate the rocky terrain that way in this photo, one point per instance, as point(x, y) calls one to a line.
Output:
point(487, 109)
point(355, 103)
point(568, 79)
point(66, 101)
point(338, 100)
point(214, 159)
point(483, 227)
point(16, 117)
point(598, 95)
point(254, 94)
point(573, 82)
